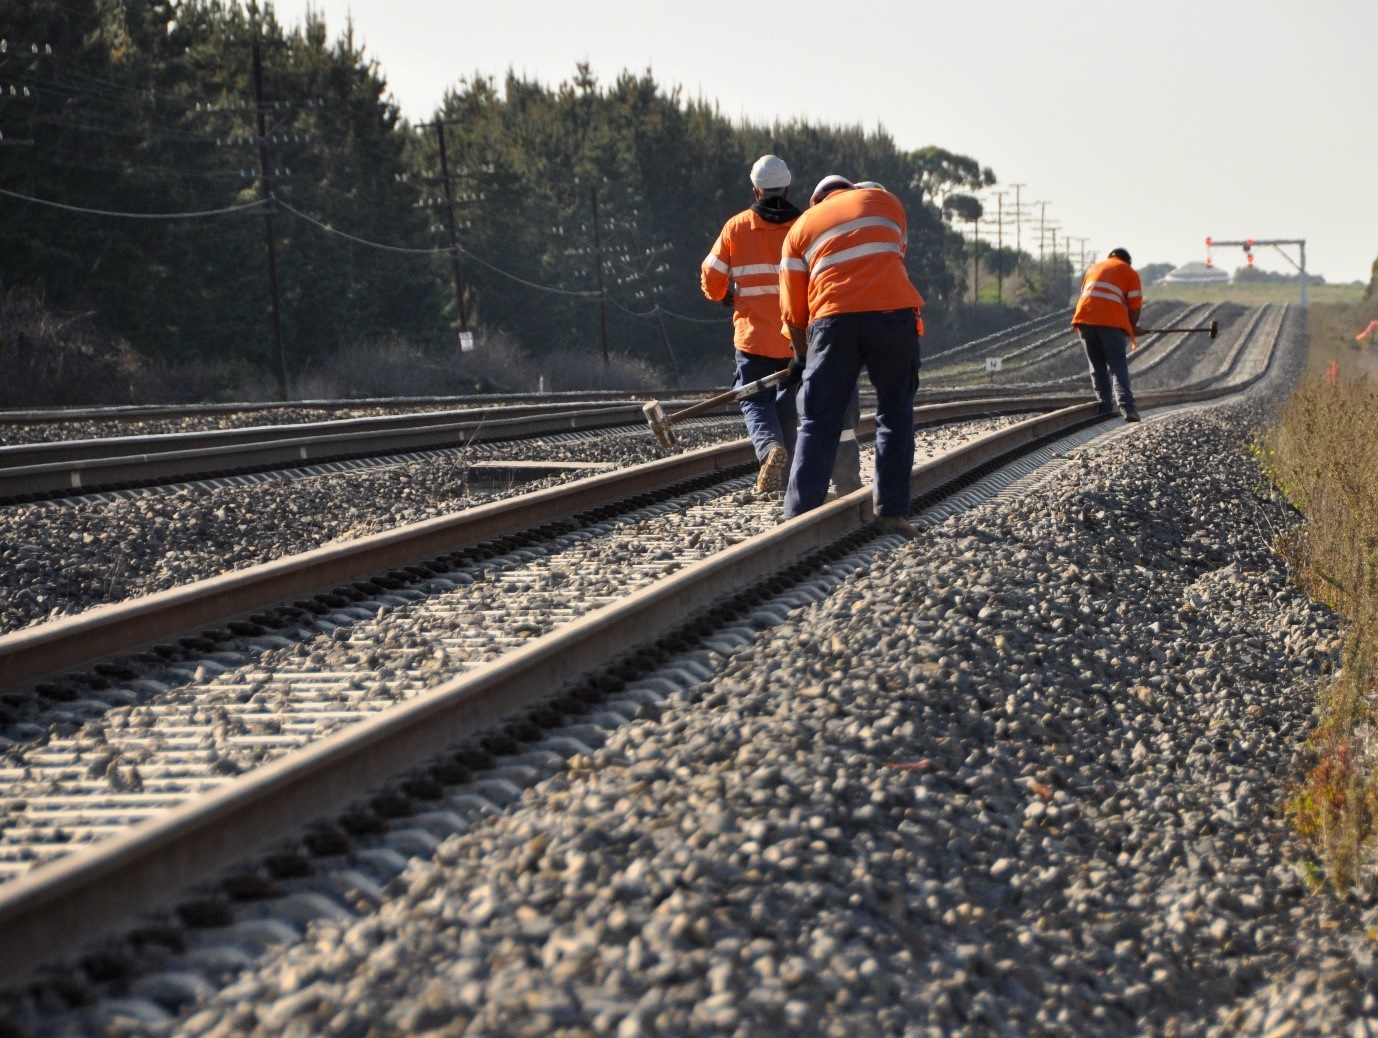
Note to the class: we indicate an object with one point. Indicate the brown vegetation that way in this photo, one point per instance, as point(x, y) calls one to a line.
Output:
point(1323, 454)
point(49, 359)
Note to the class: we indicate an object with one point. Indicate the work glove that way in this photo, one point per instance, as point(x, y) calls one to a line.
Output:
point(794, 374)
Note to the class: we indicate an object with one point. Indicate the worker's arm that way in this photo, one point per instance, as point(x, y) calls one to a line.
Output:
point(799, 340)
point(1134, 299)
point(794, 293)
point(715, 274)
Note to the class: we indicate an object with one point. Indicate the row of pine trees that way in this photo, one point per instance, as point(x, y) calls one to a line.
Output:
point(127, 115)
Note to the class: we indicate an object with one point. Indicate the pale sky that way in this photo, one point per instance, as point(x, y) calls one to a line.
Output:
point(1144, 125)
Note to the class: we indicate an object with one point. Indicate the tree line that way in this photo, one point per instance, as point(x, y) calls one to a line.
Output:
point(133, 170)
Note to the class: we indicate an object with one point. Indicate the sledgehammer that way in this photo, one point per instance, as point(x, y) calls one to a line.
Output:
point(1213, 328)
point(660, 422)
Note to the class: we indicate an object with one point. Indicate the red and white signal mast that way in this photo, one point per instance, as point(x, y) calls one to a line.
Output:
point(1248, 244)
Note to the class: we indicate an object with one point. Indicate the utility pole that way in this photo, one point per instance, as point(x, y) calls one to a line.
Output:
point(598, 259)
point(1081, 261)
point(1042, 217)
point(266, 192)
point(975, 260)
point(640, 258)
point(1000, 246)
point(466, 339)
point(1018, 217)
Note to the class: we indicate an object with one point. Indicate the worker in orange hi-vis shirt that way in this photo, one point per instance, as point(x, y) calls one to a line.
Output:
point(848, 303)
point(747, 255)
point(1106, 318)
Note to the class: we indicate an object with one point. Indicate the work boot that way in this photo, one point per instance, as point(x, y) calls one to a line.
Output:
point(771, 478)
point(1131, 415)
point(897, 524)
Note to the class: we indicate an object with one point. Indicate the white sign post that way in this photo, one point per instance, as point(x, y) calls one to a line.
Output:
point(466, 342)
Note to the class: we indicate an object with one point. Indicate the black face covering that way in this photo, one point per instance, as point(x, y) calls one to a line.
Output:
point(775, 209)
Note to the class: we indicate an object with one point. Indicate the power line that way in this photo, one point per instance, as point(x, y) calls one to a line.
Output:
point(355, 238)
point(134, 216)
point(577, 293)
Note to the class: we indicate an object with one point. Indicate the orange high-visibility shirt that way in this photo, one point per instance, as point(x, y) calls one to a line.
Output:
point(845, 255)
point(1110, 290)
point(747, 252)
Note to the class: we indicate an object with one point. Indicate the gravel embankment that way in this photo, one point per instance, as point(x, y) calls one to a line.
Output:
point(1024, 776)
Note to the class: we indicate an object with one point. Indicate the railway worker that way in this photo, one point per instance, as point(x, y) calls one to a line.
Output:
point(1106, 318)
point(743, 270)
point(848, 304)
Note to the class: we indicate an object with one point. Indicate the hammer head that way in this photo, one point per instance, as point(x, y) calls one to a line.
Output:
point(1215, 329)
point(660, 425)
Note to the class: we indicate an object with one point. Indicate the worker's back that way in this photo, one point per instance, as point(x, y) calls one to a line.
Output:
point(846, 255)
point(748, 252)
point(1110, 290)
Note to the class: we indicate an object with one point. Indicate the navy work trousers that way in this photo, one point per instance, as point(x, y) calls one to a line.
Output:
point(1107, 353)
point(771, 415)
point(886, 344)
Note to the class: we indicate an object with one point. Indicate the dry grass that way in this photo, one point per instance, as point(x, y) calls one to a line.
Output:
point(1256, 293)
point(1323, 454)
point(497, 364)
point(50, 359)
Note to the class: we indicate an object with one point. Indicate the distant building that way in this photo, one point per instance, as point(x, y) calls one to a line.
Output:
point(1195, 273)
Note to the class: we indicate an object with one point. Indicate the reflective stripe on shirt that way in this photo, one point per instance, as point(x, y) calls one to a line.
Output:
point(856, 252)
point(759, 290)
point(712, 260)
point(756, 268)
point(1089, 290)
point(1114, 298)
point(851, 225)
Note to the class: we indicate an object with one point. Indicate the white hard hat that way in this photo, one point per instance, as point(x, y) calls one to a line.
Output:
point(832, 182)
point(770, 172)
point(870, 184)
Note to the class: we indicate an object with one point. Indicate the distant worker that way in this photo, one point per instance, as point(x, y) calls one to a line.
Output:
point(747, 256)
point(848, 304)
point(1106, 317)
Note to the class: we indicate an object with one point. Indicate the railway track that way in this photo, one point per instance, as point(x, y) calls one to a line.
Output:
point(98, 889)
point(68, 469)
point(43, 425)
point(1050, 350)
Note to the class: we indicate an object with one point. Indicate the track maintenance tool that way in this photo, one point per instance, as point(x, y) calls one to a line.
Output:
point(1213, 328)
point(661, 423)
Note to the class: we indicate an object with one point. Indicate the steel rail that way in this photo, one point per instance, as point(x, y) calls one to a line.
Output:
point(23, 454)
point(91, 893)
point(37, 652)
point(134, 412)
point(290, 449)
point(30, 472)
